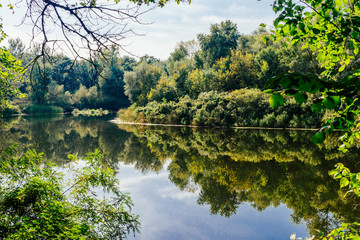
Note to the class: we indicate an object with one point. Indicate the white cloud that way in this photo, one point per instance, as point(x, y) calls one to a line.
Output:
point(211, 19)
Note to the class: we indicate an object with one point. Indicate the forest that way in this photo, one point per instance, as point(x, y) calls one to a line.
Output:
point(215, 80)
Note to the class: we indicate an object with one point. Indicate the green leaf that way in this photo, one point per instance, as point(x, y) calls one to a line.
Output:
point(321, 56)
point(276, 100)
point(344, 182)
point(300, 98)
point(336, 99)
point(342, 68)
point(262, 25)
point(319, 137)
point(317, 107)
point(265, 40)
point(333, 172)
point(356, 50)
point(329, 103)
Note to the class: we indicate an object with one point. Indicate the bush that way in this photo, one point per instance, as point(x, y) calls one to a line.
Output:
point(43, 109)
point(10, 110)
point(240, 108)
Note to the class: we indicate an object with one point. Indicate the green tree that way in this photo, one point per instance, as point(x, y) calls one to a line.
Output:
point(112, 83)
point(84, 73)
point(63, 73)
point(222, 39)
point(36, 204)
point(16, 47)
point(180, 73)
point(237, 71)
point(184, 50)
point(139, 83)
point(269, 62)
point(38, 81)
point(11, 72)
point(164, 90)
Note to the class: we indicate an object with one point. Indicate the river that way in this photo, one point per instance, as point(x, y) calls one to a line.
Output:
point(202, 183)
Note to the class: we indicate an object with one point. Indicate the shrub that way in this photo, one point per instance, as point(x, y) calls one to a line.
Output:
point(241, 108)
point(43, 109)
point(10, 110)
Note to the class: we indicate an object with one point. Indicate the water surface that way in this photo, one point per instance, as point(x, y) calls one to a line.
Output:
point(199, 183)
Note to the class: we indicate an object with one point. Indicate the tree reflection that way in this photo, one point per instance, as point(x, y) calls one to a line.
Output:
point(263, 168)
point(228, 166)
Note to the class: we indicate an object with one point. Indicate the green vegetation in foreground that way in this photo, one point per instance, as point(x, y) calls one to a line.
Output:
point(240, 108)
point(42, 201)
point(331, 30)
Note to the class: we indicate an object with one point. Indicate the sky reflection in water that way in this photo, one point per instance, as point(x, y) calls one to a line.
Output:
point(168, 213)
point(232, 171)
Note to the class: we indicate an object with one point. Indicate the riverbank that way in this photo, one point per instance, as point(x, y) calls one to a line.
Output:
point(121, 122)
point(240, 108)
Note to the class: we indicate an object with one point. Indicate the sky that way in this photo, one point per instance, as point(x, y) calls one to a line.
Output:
point(172, 24)
point(166, 212)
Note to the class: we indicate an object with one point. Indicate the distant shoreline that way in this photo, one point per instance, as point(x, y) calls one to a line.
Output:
point(119, 121)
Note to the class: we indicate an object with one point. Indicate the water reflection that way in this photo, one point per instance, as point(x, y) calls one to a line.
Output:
point(227, 167)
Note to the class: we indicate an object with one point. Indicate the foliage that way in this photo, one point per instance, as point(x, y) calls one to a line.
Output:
point(90, 112)
point(222, 39)
point(42, 109)
point(10, 110)
point(347, 179)
point(112, 82)
point(139, 83)
point(37, 204)
point(236, 72)
point(179, 73)
point(332, 31)
point(11, 72)
point(164, 91)
point(269, 62)
point(245, 108)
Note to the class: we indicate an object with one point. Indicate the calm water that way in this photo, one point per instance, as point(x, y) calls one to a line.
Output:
point(190, 183)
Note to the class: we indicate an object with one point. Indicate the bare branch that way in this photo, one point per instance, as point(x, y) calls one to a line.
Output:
point(82, 25)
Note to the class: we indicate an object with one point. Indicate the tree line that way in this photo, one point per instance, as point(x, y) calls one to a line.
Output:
point(218, 79)
point(224, 65)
